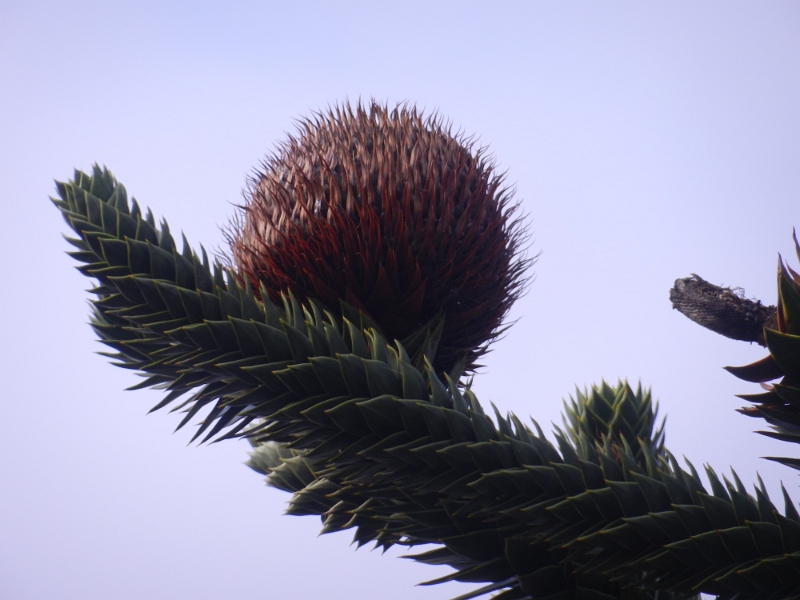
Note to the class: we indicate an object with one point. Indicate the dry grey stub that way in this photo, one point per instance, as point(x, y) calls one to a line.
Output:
point(723, 310)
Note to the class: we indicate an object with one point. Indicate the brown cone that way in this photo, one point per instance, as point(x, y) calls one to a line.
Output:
point(393, 214)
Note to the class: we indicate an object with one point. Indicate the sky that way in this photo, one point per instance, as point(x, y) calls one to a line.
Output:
point(646, 141)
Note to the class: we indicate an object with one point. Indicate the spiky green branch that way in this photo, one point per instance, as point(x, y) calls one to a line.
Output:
point(369, 438)
point(776, 328)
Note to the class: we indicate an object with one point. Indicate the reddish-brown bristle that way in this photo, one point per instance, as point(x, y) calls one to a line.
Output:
point(394, 215)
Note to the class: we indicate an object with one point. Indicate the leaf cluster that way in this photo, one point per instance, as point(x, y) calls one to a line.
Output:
point(779, 405)
point(368, 437)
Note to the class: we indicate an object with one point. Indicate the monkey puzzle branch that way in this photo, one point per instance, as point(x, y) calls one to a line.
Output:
point(403, 227)
point(722, 310)
point(366, 440)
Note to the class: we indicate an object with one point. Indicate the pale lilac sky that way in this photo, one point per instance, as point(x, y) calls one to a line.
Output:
point(647, 141)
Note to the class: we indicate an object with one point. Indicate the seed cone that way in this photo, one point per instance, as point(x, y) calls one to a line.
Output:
point(393, 214)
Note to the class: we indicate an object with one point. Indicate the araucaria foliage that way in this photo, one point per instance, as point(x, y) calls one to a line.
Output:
point(780, 404)
point(376, 258)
